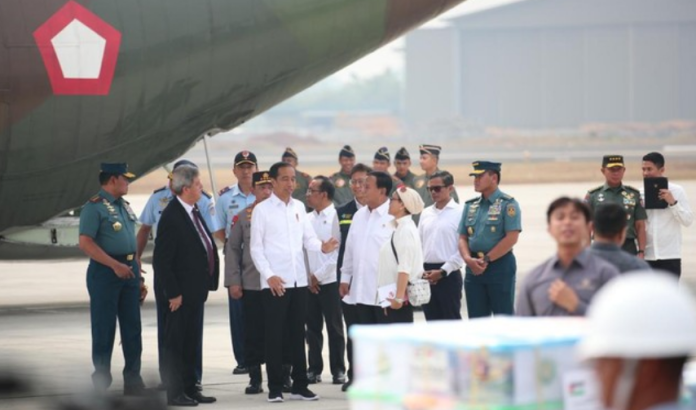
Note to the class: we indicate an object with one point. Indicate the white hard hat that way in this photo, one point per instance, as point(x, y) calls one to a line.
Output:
point(641, 315)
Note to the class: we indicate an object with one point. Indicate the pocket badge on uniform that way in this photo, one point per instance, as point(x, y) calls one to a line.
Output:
point(470, 230)
point(492, 228)
point(117, 226)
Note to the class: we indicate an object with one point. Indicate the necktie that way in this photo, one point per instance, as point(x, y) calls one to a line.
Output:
point(206, 240)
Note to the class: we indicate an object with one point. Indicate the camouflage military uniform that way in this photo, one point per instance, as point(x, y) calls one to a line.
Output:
point(302, 180)
point(629, 198)
point(343, 192)
point(409, 179)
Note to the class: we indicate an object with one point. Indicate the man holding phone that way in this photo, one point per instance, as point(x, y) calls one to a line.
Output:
point(663, 250)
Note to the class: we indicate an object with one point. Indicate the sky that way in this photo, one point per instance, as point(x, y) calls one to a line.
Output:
point(390, 57)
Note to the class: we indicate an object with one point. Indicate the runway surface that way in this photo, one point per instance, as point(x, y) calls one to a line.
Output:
point(45, 332)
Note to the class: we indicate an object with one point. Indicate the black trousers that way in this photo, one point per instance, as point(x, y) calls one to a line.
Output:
point(254, 328)
point(669, 265)
point(285, 327)
point(325, 306)
point(357, 315)
point(162, 307)
point(445, 296)
point(181, 341)
point(389, 315)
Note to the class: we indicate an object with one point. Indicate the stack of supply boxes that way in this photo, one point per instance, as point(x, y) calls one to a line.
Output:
point(491, 364)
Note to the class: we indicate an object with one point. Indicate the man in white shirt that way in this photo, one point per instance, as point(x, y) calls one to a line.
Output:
point(438, 228)
point(663, 250)
point(371, 228)
point(324, 302)
point(279, 230)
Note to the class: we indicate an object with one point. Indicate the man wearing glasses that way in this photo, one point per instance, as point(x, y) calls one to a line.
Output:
point(442, 261)
point(323, 301)
point(345, 213)
point(429, 163)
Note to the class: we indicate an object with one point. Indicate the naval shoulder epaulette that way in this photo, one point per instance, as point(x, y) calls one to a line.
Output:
point(472, 200)
point(159, 189)
point(305, 175)
point(631, 188)
point(593, 190)
point(95, 199)
point(225, 190)
point(207, 194)
point(507, 197)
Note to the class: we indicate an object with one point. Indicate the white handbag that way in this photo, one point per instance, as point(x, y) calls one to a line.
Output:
point(418, 291)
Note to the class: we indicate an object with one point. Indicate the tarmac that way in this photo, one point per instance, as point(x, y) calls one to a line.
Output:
point(45, 332)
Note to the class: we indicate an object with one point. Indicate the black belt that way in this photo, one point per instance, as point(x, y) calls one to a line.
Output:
point(130, 257)
point(432, 266)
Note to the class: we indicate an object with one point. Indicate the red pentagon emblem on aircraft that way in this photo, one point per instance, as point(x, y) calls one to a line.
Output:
point(79, 50)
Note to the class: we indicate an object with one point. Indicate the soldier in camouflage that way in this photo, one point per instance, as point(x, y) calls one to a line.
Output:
point(613, 190)
point(341, 179)
point(302, 179)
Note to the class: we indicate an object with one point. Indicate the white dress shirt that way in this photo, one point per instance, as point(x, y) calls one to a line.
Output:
point(438, 229)
point(368, 232)
point(189, 212)
point(278, 232)
point(408, 248)
point(664, 227)
point(323, 265)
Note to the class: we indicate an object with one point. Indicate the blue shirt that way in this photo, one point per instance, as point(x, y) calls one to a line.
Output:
point(163, 196)
point(231, 201)
point(485, 221)
point(110, 222)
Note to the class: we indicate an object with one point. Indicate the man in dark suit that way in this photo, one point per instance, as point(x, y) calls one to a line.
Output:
point(186, 262)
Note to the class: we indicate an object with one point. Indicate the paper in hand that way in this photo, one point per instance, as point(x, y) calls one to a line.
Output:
point(384, 293)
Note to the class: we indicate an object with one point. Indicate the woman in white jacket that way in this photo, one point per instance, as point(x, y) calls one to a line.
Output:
point(401, 258)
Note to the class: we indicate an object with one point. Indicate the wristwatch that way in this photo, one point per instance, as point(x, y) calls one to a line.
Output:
point(487, 259)
point(640, 251)
point(443, 273)
point(675, 202)
point(399, 300)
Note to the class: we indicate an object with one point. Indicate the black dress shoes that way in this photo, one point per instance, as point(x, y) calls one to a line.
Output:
point(182, 400)
point(339, 378)
point(135, 390)
point(240, 370)
point(253, 388)
point(313, 378)
point(200, 398)
point(346, 385)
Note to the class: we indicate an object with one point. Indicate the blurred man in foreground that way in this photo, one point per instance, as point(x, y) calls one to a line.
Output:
point(565, 284)
point(638, 349)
